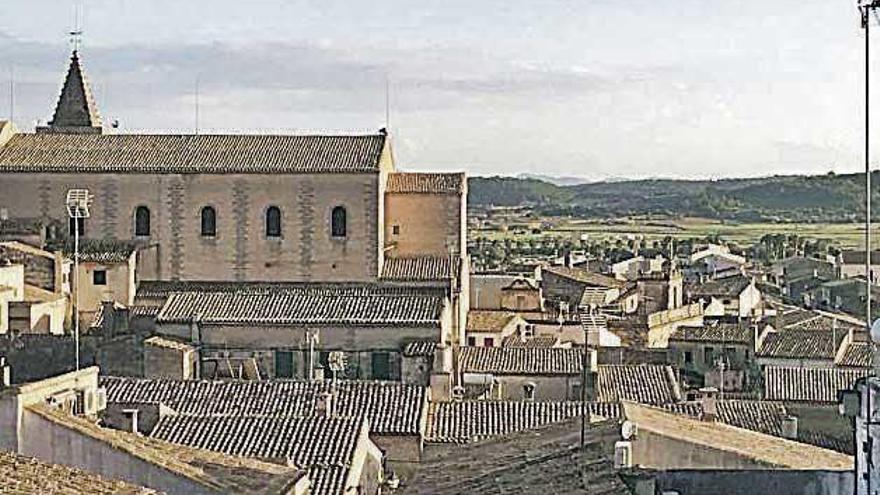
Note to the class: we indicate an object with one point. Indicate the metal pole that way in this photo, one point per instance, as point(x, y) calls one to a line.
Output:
point(76, 288)
point(867, 23)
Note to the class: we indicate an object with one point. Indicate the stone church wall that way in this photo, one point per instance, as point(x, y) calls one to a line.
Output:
point(240, 250)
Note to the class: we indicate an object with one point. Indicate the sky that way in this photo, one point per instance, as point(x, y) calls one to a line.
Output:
point(595, 89)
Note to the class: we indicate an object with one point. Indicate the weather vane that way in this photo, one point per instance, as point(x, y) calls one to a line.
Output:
point(76, 38)
point(77, 32)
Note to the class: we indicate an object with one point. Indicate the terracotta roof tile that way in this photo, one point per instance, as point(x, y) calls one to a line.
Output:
point(426, 183)
point(547, 459)
point(818, 385)
point(488, 320)
point(644, 383)
point(760, 416)
point(801, 344)
point(584, 276)
point(391, 407)
point(191, 154)
point(23, 475)
point(722, 332)
point(311, 443)
point(419, 268)
point(857, 355)
point(723, 287)
point(473, 420)
point(307, 304)
point(521, 360)
point(423, 348)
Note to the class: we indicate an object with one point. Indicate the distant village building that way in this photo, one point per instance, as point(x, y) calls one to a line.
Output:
point(852, 264)
point(735, 296)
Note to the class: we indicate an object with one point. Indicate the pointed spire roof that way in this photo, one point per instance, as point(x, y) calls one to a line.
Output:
point(76, 111)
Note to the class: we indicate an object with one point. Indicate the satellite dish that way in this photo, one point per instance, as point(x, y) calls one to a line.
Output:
point(875, 331)
point(627, 430)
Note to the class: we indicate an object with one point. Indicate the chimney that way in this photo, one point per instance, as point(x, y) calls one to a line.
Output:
point(790, 427)
point(108, 323)
point(195, 332)
point(442, 358)
point(529, 391)
point(324, 405)
point(709, 401)
point(131, 416)
point(441, 373)
point(5, 373)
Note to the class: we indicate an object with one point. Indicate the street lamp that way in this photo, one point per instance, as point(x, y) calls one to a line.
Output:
point(78, 201)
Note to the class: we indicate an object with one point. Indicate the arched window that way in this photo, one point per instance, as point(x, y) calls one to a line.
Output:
point(209, 221)
point(142, 221)
point(273, 222)
point(337, 222)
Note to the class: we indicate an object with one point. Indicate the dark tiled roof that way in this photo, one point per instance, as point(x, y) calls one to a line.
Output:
point(312, 443)
point(823, 322)
point(154, 289)
point(644, 383)
point(419, 268)
point(23, 475)
point(426, 183)
point(547, 459)
point(473, 420)
point(145, 311)
point(520, 360)
point(808, 384)
point(390, 407)
point(423, 348)
point(309, 304)
point(727, 287)
point(801, 344)
point(763, 417)
point(722, 332)
point(584, 276)
point(102, 251)
point(191, 154)
point(857, 355)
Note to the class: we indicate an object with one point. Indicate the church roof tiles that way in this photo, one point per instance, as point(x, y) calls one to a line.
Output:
point(191, 154)
point(426, 183)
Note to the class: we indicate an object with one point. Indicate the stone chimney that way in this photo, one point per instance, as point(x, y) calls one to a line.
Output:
point(441, 373)
point(709, 401)
point(195, 330)
point(790, 428)
point(324, 405)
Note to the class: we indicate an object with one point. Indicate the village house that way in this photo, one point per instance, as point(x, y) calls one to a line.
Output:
point(576, 288)
point(699, 352)
point(28, 309)
point(851, 264)
point(522, 373)
point(107, 272)
point(734, 296)
point(490, 328)
point(714, 261)
point(280, 330)
point(799, 347)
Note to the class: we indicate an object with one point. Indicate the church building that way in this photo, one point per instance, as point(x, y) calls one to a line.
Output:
point(329, 210)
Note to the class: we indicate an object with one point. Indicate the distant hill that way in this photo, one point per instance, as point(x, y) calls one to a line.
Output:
point(817, 198)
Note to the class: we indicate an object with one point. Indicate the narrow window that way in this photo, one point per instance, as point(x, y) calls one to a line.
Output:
point(381, 366)
point(74, 223)
point(489, 342)
point(209, 222)
point(472, 341)
point(395, 229)
point(273, 222)
point(337, 222)
point(99, 277)
point(142, 221)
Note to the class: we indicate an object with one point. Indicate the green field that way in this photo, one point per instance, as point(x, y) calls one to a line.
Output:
point(847, 235)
